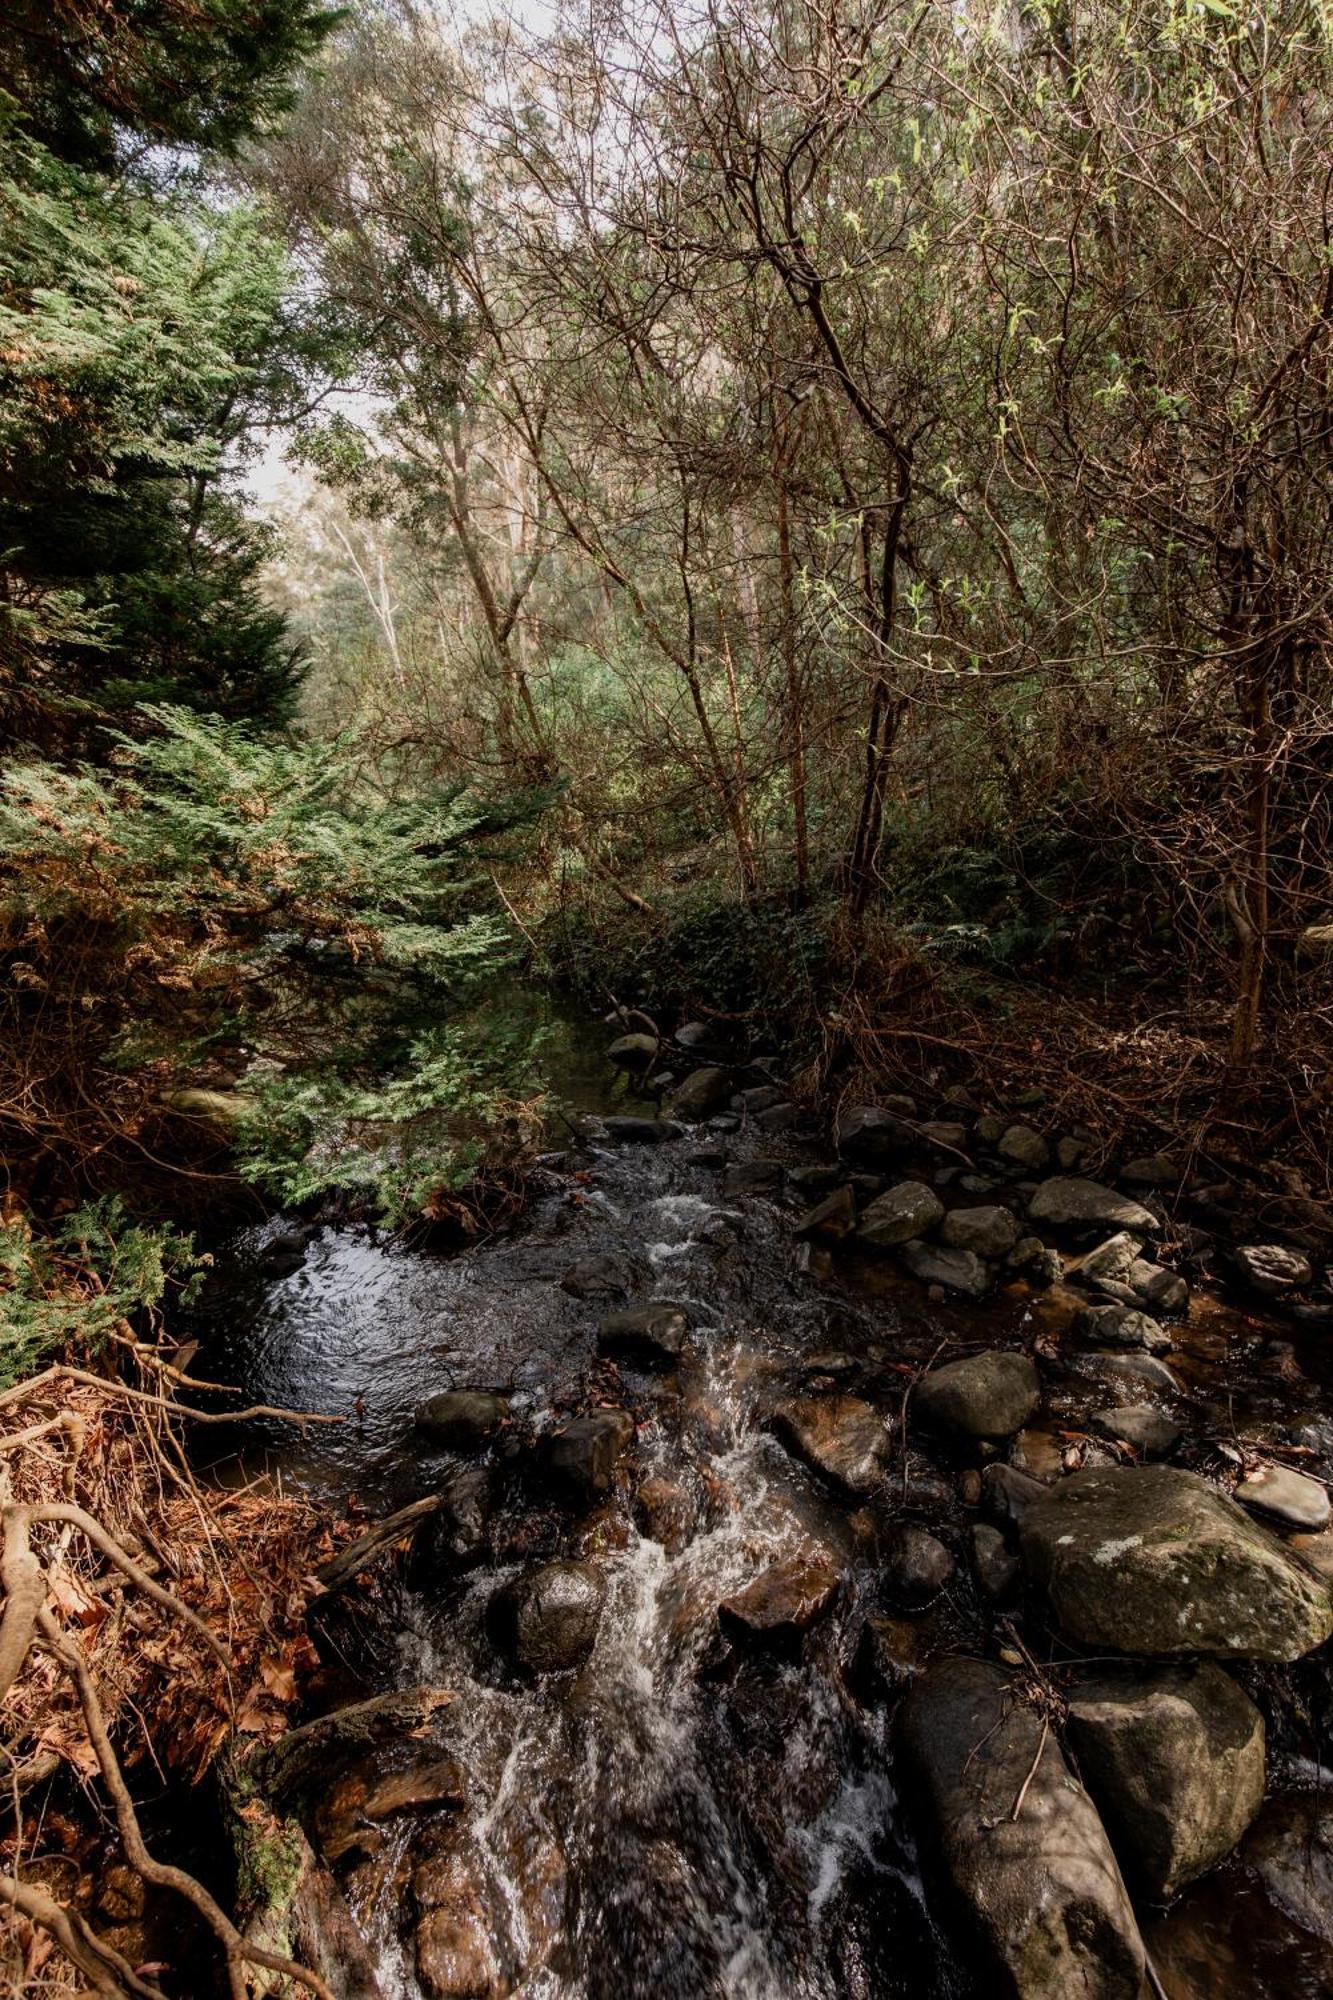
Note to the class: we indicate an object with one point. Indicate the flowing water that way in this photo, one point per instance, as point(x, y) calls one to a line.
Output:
point(673, 1818)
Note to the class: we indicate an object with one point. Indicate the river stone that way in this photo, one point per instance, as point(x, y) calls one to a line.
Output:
point(840, 1436)
point(1036, 1261)
point(601, 1276)
point(1175, 1760)
point(1112, 1259)
point(1289, 1497)
point(547, 1619)
point(746, 1177)
point(832, 1218)
point(634, 1052)
point(957, 1270)
point(1007, 1493)
point(1291, 1851)
point(986, 1395)
point(1043, 1891)
point(996, 1567)
point(455, 1952)
point(1124, 1326)
point(989, 1232)
point(703, 1092)
point(905, 1212)
point(462, 1419)
point(1150, 1559)
point(781, 1604)
point(1272, 1268)
point(871, 1137)
point(643, 1131)
point(665, 1512)
point(915, 1564)
point(582, 1458)
point(1024, 1147)
point(945, 1133)
point(1070, 1203)
point(1134, 1367)
point(1162, 1291)
point(1150, 1170)
point(653, 1332)
point(1148, 1430)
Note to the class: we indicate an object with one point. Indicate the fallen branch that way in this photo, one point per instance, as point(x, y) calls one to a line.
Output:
point(345, 1565)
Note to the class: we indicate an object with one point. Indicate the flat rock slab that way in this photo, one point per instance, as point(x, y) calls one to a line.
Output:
point(841, 1437)
point(1040, 1884)
point(1175, 1759)
point(1068, 1202)
point(984, 1395)
point(1149, 1559)
point(654, 1332)
point(1148, 1430)
point(1290, 1497)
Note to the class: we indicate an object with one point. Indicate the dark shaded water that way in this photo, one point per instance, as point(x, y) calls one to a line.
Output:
point(658, 1822)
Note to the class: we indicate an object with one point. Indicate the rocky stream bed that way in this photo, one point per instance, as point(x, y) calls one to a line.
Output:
point(867, 1563)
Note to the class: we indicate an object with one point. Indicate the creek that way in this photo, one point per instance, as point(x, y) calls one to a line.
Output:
point(677, 1816)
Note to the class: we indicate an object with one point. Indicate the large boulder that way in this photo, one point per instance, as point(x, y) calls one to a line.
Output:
point(1020, 1842)
point(987, 1232)
point(986, 1395)
point(1150, 1559)
point(546, 1619)
point(838, 1436)
point(581, 1459)
point(636, 1053)
point(1175, 1759)
point(703, 1092)
point(899, 1216)
point(1068, 1202)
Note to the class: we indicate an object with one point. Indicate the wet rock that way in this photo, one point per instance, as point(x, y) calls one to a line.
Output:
point(1039, 1454)
point(1041, 1887)
point(453, 1946)
point(636, 1053)
point(665, 1512)
point(889, 1653)
point(1286, 1496)
point(778, 1607)
point(643, 1131)
point(957, 1270)
point(833, 1218)
point(459, 1533)
point(1070, 1203)
point(1134, 1367)
point(1124, 1326)
point(988, 1232)
point(815, 1179)
point(840, 1436)
point(1175, 1760)
point(760, 1097)
point(462, 1419)
point(285, 1252)
point(1272, 1268)
point(1024, 1147)
point(996, 1567)
point(1291, 1852)
point(1313, 1432)
point(915, 1564)
point(655, 1332)
point(546, 1620)
point(711, 1158)
point(1154, 1560)
point(898, 1216)
point(703, 1092)
point(814, 1260)
point(976, 1184)
point(602, 1277)
point(777, 1118)
point(1036, 1261)
point(1007, 1493)
point(1148, 1430)
point(582, 1458)
point(986, 1395)
point(752, 1177)
point(871, 1137)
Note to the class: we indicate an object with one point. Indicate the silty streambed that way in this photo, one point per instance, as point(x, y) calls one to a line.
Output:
point(675, 1816)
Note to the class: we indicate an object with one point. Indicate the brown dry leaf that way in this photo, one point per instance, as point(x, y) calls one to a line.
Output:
point(279, 1677)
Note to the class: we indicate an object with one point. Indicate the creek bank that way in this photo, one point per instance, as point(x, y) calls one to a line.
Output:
point(798, 1487)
